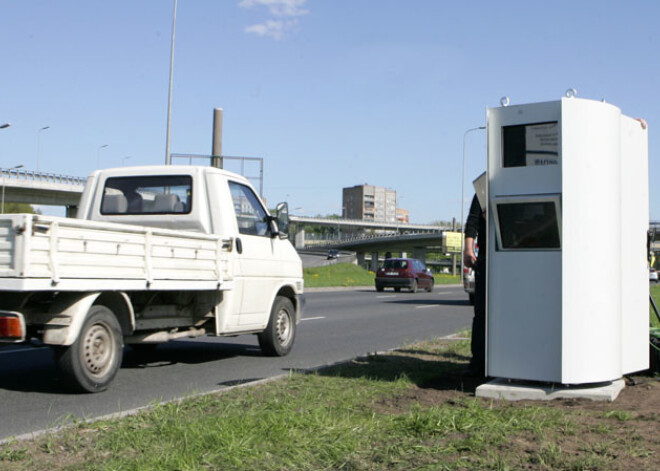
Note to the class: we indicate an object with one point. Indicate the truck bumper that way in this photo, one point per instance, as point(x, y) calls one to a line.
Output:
point(12, 327)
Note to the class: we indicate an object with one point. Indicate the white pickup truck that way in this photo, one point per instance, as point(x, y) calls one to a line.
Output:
point(156, 253)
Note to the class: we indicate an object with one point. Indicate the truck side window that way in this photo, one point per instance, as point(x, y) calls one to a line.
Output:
point(250, 215)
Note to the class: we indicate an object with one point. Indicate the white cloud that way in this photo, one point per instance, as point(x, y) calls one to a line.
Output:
point(272, 28)
point(285, 12)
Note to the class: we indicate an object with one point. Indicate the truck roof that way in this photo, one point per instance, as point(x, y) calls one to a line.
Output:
point(165, 170)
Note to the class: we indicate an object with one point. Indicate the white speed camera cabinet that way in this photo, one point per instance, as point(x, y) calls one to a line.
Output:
point(567, 282)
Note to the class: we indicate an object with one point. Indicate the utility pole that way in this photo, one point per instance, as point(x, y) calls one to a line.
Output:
point(168, 158)
point(453, 256)
point(216, 151)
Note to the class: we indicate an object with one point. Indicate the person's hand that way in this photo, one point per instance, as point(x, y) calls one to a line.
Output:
point(643, 122)
point(469, 258)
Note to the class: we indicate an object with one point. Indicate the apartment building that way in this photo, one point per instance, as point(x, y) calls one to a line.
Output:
point(369, 203)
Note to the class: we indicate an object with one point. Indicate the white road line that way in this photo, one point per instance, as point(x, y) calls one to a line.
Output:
point(425, 306)
point(312, 318)
point(386, 296)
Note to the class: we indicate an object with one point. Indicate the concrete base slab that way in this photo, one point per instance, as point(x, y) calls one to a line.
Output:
point(533, 391)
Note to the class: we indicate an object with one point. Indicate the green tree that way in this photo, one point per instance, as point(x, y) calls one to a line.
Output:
point(15, 208)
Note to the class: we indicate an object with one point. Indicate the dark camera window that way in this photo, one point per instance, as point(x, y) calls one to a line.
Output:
point(532, 225)
point(528, 145)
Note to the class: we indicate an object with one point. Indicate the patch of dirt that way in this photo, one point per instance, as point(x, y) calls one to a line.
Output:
point(623, 435)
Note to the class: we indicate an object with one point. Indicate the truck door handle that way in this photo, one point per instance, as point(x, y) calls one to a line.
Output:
point(239, 245)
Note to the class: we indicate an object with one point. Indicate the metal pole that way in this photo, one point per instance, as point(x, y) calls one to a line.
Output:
point(39, 143)
point(462, 222)
point(216, 150)
point(168, 158)
point(98, 156)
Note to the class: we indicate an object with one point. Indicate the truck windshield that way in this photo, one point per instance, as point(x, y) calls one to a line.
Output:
point(166, 194)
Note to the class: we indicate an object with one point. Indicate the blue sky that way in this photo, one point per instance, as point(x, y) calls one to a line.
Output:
point(331, 93)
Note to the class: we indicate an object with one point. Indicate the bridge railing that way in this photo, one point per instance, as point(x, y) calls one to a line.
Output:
point(31, 175)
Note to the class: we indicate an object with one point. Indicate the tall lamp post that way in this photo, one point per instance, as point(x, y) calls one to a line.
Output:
point(98, 155)
point(462, 222)
point(39, 144)
point(2, 210)
point(168, 158)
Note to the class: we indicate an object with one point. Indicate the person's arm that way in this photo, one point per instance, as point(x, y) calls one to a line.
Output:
point(471, 233)
point(469, 257)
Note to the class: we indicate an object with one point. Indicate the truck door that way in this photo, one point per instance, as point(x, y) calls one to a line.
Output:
point(258, 267)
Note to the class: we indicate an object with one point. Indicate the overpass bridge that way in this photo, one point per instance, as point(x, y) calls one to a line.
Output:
point(48, 189)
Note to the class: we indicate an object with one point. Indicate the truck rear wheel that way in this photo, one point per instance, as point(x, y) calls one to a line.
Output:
point(277, 339)
point(93, 360)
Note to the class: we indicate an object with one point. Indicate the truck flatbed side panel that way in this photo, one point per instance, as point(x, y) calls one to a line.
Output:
point(58, 249)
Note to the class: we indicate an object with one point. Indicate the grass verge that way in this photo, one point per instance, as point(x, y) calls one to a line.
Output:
point(347, 274)
point(408, 409)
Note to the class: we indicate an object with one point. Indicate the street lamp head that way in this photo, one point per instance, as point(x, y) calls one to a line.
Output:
point(44, 128)
point(5, 126)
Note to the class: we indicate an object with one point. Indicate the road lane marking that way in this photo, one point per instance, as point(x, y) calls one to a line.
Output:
point(312, 318)
point(386, 296)
point(425, 306)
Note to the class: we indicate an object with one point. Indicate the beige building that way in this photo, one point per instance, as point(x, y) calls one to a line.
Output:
point(369, 203)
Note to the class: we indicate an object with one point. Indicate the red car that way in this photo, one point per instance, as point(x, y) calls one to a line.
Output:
point(407, 273)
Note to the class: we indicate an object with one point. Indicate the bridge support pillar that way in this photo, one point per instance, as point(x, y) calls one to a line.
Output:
point(374, 261)
point(71, 211)
point(361, 259)
point(420, 253)
point(299, 239)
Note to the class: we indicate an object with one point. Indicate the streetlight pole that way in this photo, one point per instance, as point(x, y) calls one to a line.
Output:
point(123, 161)
point(462, 222)
point(168, 158)
point(39, 143)
point(2, 210)
point(98, 155)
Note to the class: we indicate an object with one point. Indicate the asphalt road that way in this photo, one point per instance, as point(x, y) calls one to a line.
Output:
point(337, 325)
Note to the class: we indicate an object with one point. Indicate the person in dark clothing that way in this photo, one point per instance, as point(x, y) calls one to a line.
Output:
point(475, 230)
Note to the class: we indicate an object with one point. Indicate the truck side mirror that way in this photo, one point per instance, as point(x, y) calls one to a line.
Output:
point(282, 219)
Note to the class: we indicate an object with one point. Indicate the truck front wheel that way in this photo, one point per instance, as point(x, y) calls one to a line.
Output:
point(277, 339)
point(93, 360)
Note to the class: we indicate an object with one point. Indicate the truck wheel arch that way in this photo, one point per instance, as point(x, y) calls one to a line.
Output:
point(71, 311)
point(288, 292)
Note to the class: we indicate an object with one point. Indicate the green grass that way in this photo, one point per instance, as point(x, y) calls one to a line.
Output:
point(396, 411)
point(347, 274)
point(338, 274)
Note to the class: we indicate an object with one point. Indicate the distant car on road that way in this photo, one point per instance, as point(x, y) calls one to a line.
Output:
point(407, 273)
point(653, 275)
point(332, 254)
point(468, 283)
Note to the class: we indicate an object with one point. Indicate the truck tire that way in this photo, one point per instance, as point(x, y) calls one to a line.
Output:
point(92, 361)
point(277, 339)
